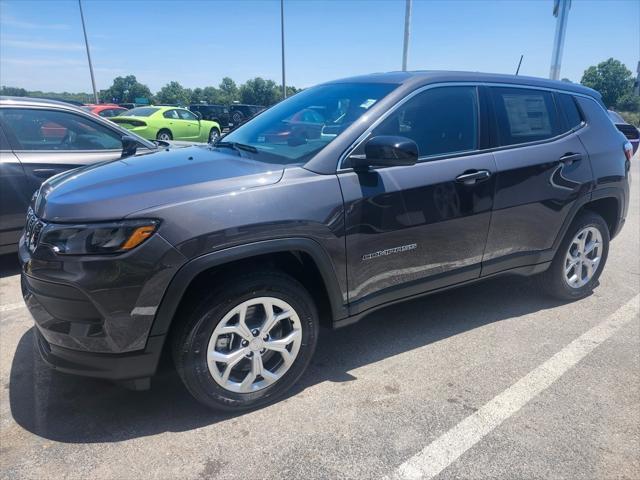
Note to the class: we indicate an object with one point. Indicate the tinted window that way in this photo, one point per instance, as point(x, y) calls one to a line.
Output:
point(142, 112)
point(524, 115)
point(570, 109)
point(440, 120)
point(170, 114)
point(39, 129)
point(186, 115)
point(277, 139)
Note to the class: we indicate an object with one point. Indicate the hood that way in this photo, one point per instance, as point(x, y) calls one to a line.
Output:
point(113, 190)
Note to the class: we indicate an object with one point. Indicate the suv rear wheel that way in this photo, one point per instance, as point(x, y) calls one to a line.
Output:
point(579, 261)
point(248, 343)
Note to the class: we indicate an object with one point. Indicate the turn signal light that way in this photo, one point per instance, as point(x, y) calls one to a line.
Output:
point(138, 236)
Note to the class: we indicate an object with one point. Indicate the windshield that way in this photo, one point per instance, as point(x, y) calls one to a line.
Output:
point(140, 112)
point(297, 128)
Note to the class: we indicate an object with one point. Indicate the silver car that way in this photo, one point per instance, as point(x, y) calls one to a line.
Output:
point(40, 138)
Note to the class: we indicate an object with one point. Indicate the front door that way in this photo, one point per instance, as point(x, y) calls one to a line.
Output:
point(410, 229)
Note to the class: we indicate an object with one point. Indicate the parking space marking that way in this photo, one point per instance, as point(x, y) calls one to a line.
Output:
point(443, 451)
point(11, 306)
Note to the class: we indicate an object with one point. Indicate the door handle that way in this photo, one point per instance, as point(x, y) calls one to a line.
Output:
point(44, 172)
point(473, 177)
point(569, 158)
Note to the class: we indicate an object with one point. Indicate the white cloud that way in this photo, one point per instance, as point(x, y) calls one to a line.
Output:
point(9, 21)
point(40, 45)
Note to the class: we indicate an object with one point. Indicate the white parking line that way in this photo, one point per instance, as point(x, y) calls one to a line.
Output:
point(11, 306)
point(443, 451)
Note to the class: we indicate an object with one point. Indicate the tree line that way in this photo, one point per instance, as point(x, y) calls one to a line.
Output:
point(256, 91)
point(611, 78)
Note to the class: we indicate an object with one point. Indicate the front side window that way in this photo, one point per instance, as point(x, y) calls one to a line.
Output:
point(281, 134)
point(186, 115)
point(441, 120)
point(39, 129)
point(524, 115)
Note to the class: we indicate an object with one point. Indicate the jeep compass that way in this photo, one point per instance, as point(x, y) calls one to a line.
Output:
point(342, 199)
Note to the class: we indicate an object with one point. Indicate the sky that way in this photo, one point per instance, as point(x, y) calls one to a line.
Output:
point(198, 42)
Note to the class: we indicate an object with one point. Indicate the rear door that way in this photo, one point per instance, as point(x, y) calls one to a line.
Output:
point(542, 168)
point(415, 228)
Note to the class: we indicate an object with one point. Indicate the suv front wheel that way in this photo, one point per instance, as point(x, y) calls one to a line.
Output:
point(580, 259)
point(248, 343)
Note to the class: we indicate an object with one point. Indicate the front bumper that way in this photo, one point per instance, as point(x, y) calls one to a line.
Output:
point(93, 314)
point(116, 367)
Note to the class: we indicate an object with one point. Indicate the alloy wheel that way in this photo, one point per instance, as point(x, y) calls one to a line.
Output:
point(254, 344)
point(213, 136)
point(583, 257)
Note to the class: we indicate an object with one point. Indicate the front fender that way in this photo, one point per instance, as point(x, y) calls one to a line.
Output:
point(183, 278)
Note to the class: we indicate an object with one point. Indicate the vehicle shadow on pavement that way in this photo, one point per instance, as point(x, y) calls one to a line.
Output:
point(9, 265)
point(72, 409)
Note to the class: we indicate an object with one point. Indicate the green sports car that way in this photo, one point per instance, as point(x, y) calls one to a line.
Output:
point(168, 123)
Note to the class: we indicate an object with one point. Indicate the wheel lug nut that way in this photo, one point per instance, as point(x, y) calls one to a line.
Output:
point(266, 338)
point(255, 332)
point(250, 354)
point(244, 343)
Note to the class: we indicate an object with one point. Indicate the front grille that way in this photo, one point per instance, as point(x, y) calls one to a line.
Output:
point(629, 131)
point(32, 230)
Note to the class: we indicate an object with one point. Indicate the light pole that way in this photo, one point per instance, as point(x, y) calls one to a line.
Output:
point(86, 42)
point(407, 26)
point(284, 84)
point(561, 11)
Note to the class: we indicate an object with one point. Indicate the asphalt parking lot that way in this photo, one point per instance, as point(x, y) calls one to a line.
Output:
point(486, 381)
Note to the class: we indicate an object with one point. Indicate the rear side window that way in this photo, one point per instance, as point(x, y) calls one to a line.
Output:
point(442, 120)
point(570, 110)
point(524, 115)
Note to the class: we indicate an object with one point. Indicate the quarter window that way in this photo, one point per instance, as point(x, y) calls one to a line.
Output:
point(442, 120)
point(524, 115)
point(170, 114)
point(571, 112)
point(38, 129)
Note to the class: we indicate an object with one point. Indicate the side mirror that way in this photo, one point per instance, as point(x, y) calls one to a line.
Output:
point(129, 146)
point(387, 151)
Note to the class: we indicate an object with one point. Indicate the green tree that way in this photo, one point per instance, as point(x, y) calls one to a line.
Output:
point(172, 93)
point(13, 91)
point(212, 95)
point(259, 91)
point(611, 78)
point(629, 102)
point(228, 91)
point(125, 90)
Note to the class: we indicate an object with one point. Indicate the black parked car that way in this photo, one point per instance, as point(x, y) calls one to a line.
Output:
point(216, 113)
point(628, 130)
point(231, 256)
point(241, 112)
point(40, 138)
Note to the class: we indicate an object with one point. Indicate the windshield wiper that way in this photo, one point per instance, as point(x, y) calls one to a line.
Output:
point(237, 146)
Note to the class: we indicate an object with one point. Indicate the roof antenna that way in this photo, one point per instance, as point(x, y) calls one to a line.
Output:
point(519, 63)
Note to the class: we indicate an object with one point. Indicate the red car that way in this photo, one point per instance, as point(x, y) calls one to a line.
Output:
point(105, 109)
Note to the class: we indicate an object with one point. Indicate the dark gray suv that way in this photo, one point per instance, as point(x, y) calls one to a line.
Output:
point(232, 256)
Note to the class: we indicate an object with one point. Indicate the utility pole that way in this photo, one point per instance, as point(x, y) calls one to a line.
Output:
point(284, 83)
point(86, 42)
point(561, 12)
point(407, 26)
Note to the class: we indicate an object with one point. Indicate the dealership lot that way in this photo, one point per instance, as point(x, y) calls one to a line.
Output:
point(377, 394)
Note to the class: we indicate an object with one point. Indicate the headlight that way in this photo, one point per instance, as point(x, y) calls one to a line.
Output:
point(98, 238)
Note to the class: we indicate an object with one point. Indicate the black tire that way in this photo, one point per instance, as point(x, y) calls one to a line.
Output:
point(553, 280)
point(164, 131)
point(214, 131)
point(191, 338)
